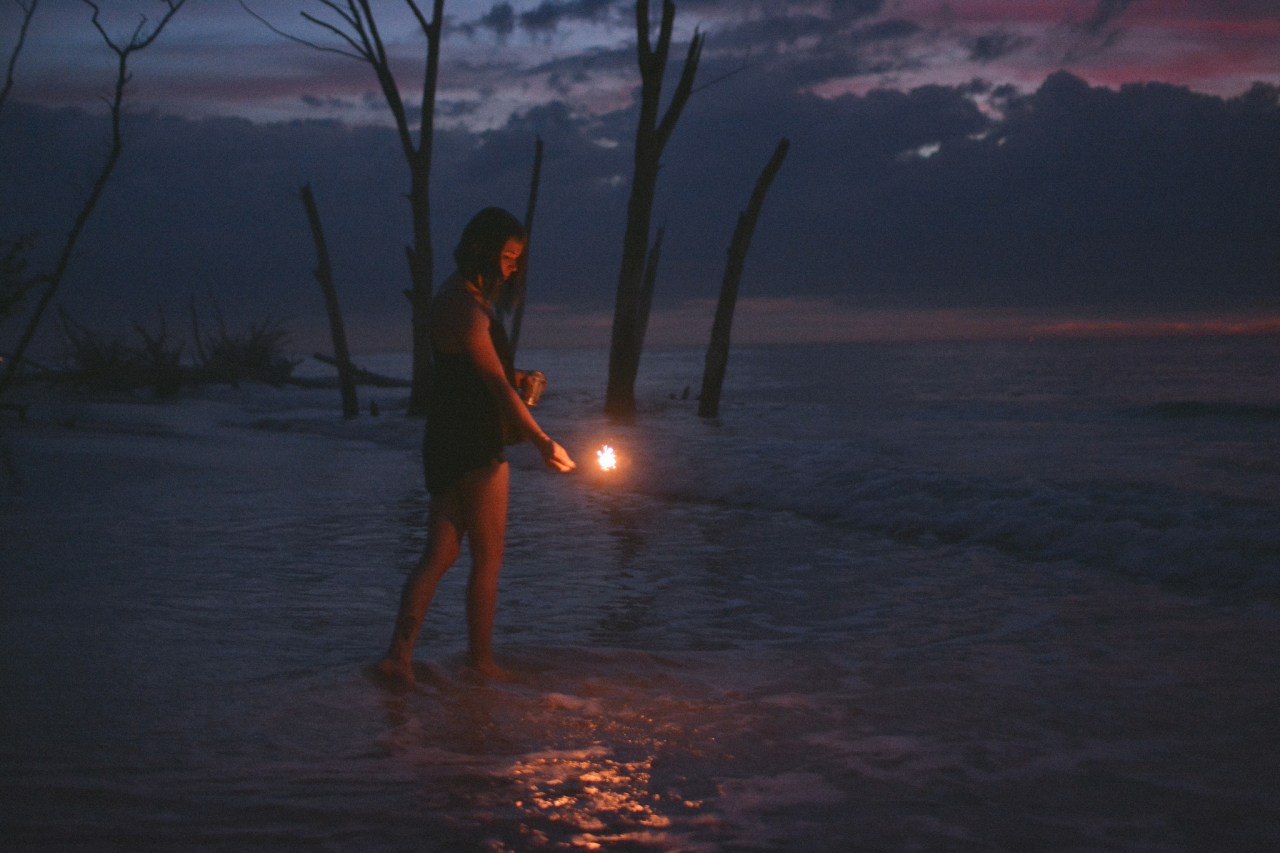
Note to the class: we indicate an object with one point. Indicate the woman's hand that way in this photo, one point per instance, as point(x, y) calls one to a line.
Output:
point(556, 457)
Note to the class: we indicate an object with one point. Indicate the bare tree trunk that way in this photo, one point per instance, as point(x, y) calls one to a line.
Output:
point(53, 281)
point(718, 348)
point(647, 287)
point(652, 135)
point(324, 275)
point(522, 276)
point(421, 254)
point(28, 11)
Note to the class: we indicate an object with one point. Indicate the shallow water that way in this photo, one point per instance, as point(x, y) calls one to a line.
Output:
point(980, 597)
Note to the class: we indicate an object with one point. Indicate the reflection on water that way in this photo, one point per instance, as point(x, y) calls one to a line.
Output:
point(598, 800)
point(915, 633)
point(570, 755)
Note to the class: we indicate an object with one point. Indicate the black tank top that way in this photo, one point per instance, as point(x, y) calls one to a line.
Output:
point(464, 429)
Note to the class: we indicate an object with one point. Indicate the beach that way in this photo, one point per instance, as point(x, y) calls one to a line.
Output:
point(973, 596)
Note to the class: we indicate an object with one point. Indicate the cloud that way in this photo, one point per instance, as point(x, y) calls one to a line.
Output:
point(501, 19)
point(1103, 14)
point(1070, 198)
point(328, 103)
point(993, 45)
point(1094, 34)
point(844, 10)
point(548, 16)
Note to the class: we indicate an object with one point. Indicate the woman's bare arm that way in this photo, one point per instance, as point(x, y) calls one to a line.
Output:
point(473, 324)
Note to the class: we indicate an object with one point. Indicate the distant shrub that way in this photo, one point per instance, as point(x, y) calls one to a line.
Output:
point(15, 284)
point(253, 356)
point(111, 363)
point(107, 363)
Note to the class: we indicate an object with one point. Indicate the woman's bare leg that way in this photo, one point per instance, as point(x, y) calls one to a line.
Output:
point(484, 502)
point(445, 526)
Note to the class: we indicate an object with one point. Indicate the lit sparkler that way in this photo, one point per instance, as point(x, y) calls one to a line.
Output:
point(607, 458)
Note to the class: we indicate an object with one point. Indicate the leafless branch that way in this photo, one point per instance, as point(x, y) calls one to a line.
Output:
point(718, 80)
point(352, 20)
point(683, 89)
point(359, 30)
point(140, 37)
point(138, 40)
point(296, 40)
point(27, 13)
point(367, 26)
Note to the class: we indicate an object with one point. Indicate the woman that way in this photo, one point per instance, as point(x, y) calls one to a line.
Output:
point(471, 398)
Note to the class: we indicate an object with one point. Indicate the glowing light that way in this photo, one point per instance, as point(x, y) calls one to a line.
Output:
point(607, 458)
point(594, 801)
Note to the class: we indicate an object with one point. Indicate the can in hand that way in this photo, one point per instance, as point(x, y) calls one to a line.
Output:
point(531, 386)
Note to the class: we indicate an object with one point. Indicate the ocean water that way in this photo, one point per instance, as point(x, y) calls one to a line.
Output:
point(966, 596)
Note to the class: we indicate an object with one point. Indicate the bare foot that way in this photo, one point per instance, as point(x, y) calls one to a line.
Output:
point(394, 672)
point(490, 671)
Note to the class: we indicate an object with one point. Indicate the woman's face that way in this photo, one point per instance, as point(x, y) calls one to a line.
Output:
point(509, 257)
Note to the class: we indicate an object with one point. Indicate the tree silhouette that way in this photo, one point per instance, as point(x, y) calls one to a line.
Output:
point(337, 328)
point(138, 40)
point(515, 294)
point(631, 306)
point(28, 12)
point(357, 28)
point(718, 348)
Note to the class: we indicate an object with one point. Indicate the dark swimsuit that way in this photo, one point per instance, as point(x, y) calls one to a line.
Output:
point(464, 430)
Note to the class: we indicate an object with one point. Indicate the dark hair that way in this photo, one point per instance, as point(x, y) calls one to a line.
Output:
point(481, 244)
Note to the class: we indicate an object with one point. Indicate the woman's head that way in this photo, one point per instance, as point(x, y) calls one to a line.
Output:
point(490, 247)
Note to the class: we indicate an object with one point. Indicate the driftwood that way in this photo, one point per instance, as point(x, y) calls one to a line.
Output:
point(718, 348)
point(324, 275)
point(358, 374)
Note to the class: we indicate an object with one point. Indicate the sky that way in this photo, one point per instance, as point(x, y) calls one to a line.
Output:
point(973, 168)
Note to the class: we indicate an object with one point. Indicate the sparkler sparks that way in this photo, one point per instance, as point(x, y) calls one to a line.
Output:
point(607, 458)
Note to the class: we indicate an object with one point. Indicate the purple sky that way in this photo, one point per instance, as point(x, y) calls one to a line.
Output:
point(217, 60)
point(847, 248)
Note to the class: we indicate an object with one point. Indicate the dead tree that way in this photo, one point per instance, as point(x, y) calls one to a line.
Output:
point(28, 12)
point(15, 284)
point(139, 39)
point(324, 275)
point(358, 29)
point(522, 275)
point(718, 348)
point(648, 283)
point(652, 135)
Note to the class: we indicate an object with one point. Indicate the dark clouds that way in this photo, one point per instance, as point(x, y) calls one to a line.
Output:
point(1096, 33)
point(802, 51)
point(546, 17)
point(549, 15)
point(1149, 199)
point(1104, 14)
point(956, 194)
point(994, 45)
